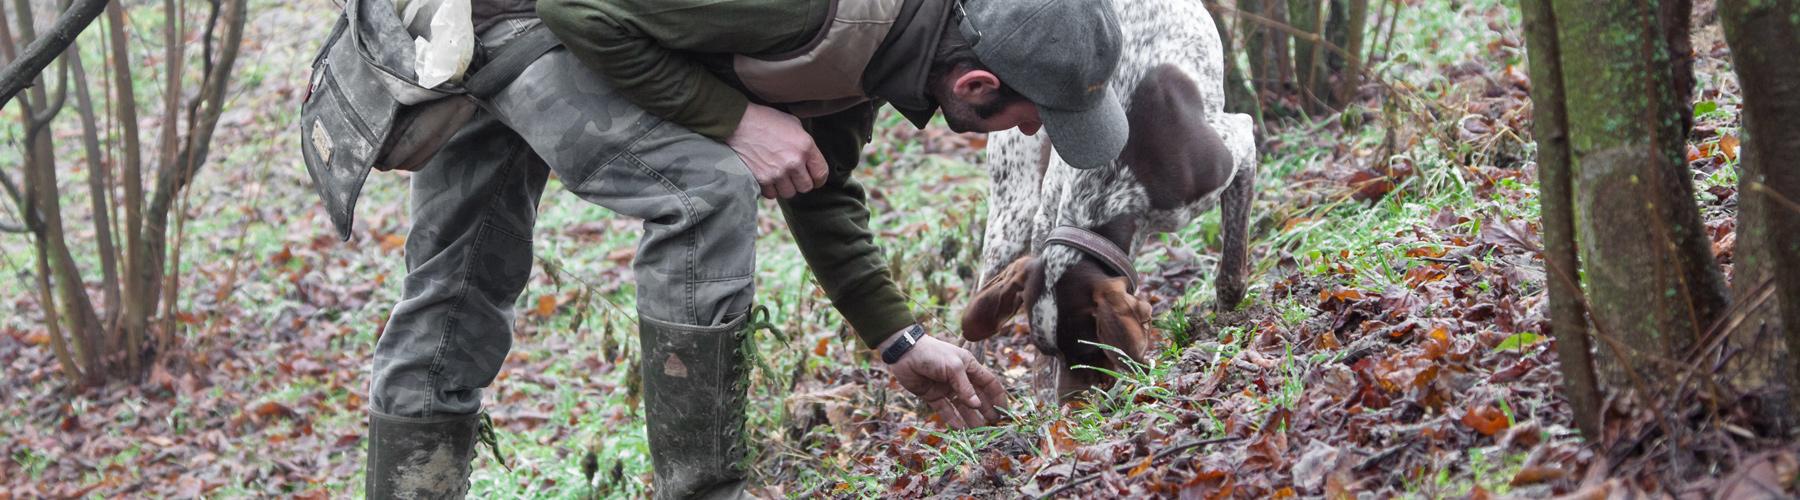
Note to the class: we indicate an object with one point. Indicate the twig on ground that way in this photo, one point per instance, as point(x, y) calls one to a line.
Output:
point(1127, 466)
point(1377, 458)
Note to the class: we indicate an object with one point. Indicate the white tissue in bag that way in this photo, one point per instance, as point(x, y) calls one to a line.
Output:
point(444, 53)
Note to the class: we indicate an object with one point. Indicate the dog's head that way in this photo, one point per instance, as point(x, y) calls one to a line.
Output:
point(1091, 305)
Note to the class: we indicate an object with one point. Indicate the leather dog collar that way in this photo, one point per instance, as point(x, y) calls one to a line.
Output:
point(1099, 247)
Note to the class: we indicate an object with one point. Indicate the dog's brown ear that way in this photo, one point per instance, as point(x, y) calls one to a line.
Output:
point(1122, 320)
point(1000, 299)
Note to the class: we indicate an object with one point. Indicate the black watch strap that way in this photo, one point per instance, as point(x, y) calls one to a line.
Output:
point(908, 338)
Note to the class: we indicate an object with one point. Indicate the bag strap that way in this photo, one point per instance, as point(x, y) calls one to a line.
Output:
point(1099, 247)
point(505, 65)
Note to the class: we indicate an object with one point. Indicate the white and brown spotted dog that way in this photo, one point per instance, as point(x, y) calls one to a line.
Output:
point(1184, 155)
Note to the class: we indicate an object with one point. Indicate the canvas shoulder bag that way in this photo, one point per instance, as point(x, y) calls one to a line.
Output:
point(363, 110)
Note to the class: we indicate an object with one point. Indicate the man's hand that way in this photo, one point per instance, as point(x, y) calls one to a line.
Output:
point(780, 153)
point(950, 381)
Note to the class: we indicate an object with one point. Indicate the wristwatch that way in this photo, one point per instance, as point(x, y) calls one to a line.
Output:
point(908, 338)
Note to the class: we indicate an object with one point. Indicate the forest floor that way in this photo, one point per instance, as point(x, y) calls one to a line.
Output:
point(1392, 342)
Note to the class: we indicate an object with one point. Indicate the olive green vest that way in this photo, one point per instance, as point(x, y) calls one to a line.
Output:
point(825, 75)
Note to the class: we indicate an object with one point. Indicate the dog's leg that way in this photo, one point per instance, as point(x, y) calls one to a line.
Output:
point(1014, 173)
point(1234, 221)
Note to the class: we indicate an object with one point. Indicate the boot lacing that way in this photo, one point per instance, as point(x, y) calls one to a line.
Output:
point(485, 434)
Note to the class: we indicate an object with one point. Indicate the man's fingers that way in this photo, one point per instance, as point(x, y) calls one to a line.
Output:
point(947, 410)
point(965, 392)
point(800, 179)
point(971, 416)
point(993, 395)
point(816, 166)
point(784, 188)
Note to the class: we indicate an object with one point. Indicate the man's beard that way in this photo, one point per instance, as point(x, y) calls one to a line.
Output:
point(963, 116)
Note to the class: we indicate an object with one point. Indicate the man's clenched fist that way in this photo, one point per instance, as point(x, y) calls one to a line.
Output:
point(950, 381)
point(779, 152)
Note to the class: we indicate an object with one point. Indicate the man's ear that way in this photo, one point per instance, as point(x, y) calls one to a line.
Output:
point(973, 84)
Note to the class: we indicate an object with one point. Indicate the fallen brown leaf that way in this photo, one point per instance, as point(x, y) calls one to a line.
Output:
point(1538, 474)
point(1485, 419)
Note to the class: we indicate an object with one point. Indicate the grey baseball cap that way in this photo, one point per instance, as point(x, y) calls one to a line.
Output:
point(1059, 54)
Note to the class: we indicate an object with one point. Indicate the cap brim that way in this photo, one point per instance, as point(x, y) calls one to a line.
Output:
point(1088, 138)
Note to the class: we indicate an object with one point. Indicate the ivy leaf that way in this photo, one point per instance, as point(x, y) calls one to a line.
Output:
point(1704, 107)
point(1519, 341)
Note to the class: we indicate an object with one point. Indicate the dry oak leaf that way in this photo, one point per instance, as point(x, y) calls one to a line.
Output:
point(546, 305)
point(392, 242)
point(1537, 474)
point(1485, 419)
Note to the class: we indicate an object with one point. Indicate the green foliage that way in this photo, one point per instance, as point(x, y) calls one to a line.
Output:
point(1705, 108)
point(1520, 341)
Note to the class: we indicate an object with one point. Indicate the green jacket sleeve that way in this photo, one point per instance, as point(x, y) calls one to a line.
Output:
point(645, 48)
point(831, 226)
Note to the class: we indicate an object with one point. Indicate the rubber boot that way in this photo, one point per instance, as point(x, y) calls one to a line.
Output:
point(420, 458)
point(694, 383)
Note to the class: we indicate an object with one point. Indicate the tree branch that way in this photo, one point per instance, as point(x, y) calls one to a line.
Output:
point(12, 191)
point(99, 177)
point(40, 122)
point(19, 73)
point(135, 271)
point(175, 47)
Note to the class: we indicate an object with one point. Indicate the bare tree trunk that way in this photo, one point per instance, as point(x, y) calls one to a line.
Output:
point(1764, 37)
point(194, 152)
point(1304, 15)
point(174, 55)
point(98, 180)
point(1256, 45)
point(1568, 318)
point(45, 209)
point(1318, 74)
point(136, 257)
point(26, 200)
point(47, 301)
point(1335, 14)
point(174, 52)
point(1650, 274)
point(77, 308)
point(1238, 96)
point(1350, 80)
point(1284, 62)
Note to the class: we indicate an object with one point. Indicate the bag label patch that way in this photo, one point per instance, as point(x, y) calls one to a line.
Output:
point(321, 142)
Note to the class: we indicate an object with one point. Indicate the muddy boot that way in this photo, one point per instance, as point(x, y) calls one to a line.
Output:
point(420, 458)
point(694, 404)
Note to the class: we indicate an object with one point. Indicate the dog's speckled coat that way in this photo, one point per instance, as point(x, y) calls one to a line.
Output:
point(1033, 191)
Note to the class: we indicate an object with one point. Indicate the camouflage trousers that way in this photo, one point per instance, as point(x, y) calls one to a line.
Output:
point(468, 253)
